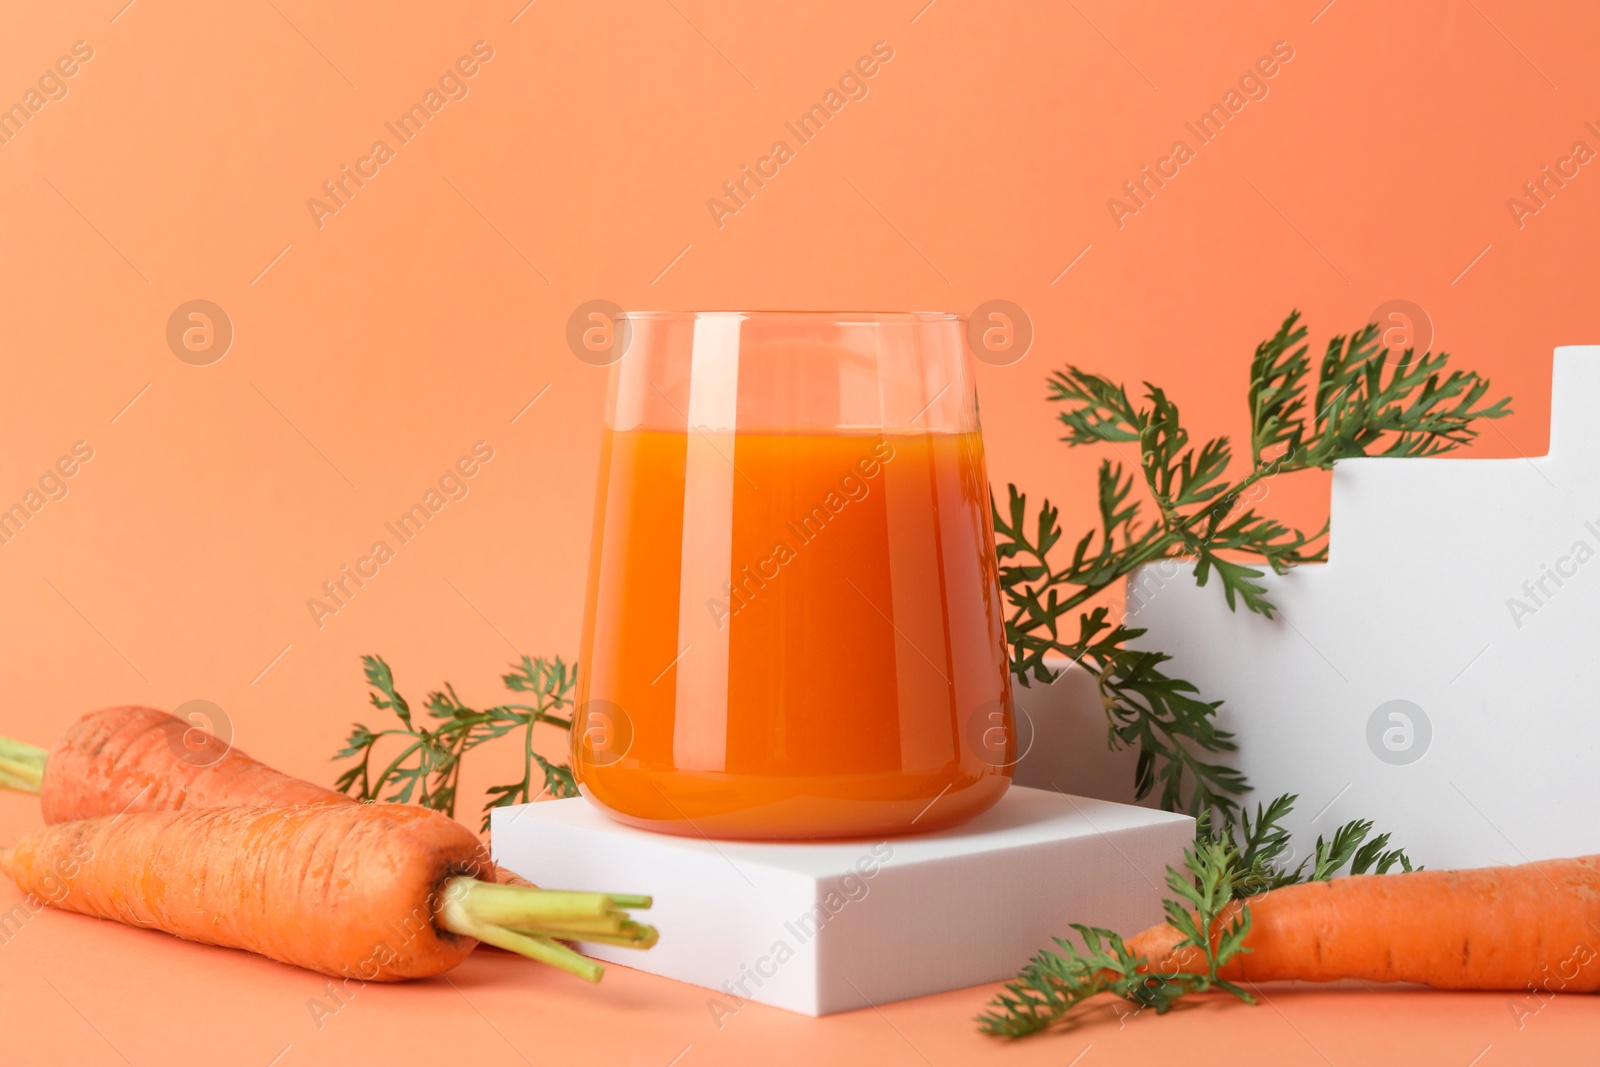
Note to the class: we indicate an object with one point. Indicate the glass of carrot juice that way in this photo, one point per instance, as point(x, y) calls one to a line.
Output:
point(793, 626)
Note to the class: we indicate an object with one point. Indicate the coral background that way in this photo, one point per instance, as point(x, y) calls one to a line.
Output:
point(375, 345)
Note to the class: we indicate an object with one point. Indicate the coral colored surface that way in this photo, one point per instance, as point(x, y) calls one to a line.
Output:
point(81, 991)
point(378, 334)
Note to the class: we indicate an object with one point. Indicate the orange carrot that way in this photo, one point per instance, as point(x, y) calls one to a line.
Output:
point(379, 892)
point(1532, 926)
point(131, 759)
point(128, 761)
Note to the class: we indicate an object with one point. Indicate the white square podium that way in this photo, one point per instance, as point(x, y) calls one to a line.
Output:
point(822, 927)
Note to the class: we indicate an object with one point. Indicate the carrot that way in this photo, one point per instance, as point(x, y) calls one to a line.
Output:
point(379, 892)
point(130, 759)
point(1491, 928)
point(124, 761)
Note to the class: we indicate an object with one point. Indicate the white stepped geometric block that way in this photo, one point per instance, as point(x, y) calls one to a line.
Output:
point(1440, 674)
point(822, 927)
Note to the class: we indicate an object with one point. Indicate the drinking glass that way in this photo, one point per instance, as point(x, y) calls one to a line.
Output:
point(793, 626)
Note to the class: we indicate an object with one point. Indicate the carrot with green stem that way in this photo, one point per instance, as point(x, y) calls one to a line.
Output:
point(1489, 928)
point(379, 892)
point(124, 761)
point(1533, 927)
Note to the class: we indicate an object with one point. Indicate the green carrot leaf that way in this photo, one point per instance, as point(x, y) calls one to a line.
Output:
point(1359, 400)
point(428, 765)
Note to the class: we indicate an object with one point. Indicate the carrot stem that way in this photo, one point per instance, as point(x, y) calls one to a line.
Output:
point(528, 920)
point(633, 935)
point(22, 750)
point(15, 784)
point(613, 923)
point(21, 766)
point(640, 943)
point(540, 947)
point(456, 916)
point(520, 905)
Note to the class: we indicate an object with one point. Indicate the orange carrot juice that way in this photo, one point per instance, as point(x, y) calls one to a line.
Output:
point(793, 635)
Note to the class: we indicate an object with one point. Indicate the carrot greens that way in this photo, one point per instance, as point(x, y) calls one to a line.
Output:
point(427, 765)
point(1360, 401)
point(1233, 863)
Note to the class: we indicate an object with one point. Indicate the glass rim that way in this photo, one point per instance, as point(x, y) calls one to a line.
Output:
point(840, 317)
